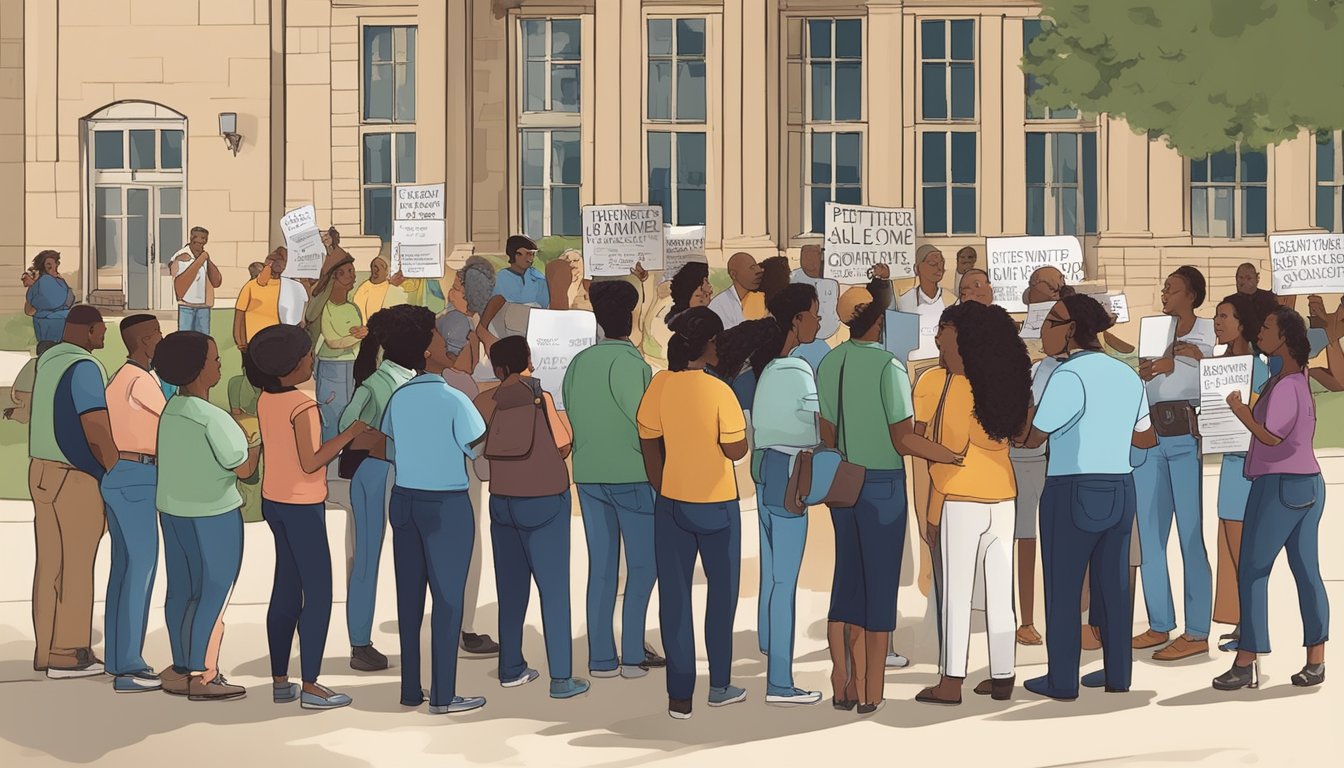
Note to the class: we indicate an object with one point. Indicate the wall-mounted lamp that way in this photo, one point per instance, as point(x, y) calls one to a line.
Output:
point(228, 128)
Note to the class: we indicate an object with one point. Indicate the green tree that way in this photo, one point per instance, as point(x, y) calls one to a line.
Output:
point(1203, 74)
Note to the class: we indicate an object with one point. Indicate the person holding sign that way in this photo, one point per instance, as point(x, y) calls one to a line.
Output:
point(743, 299)
point(342, 330)
point(1168, 477)
point(520, 282)
point(828, 291)
point(1285, 506)
point(195, 279)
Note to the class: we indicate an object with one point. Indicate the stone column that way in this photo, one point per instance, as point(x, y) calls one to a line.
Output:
point(745, 227)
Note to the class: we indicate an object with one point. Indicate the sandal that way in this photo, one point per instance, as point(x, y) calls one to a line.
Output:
point(1311, 674)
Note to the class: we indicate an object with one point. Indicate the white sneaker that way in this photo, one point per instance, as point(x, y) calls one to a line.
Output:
point(797, 697)
point(897, 661)
point(528, 676)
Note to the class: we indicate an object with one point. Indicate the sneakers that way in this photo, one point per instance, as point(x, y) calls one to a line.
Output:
point(1182, 648)
point(324, 699)
point(679, 709)
point(82, 663)
point(217, 689)
point(796, 696)
point(136, 682)
point(605, 673)
point(568, 688)
point(458, 705)
point(651, 659)
point(284, 693)
point(634, 671)
point(366, 658)
point(897, 661)
point(479, 645)
point(174, 682)
point(729, 694)
point(528, 676)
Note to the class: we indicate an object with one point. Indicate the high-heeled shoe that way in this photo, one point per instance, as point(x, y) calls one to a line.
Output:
point(997, 688)
point(1311, 674)
point(843, 704)
point(1239, 677)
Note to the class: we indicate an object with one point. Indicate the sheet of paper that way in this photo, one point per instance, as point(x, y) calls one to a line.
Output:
point(928, 331)
point(304, 243)
point(682, 245)
point(1011, 261)
point(901, 334)
point(1031, 326)
point(1305, 264)
point(417, 248)
point(420, 201)
point(1119, 306)
point(857, 237)
point(1220, 430)
point(1156, 335)
point(555, 337)
point(616, 237)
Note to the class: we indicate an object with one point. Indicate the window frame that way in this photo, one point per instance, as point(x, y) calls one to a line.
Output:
point(376, 126)
point(365, 64)
point(1050, 221)
point(1049, 117)
point(125, 128)
point(808, 229)
point(522, 59)
point(676, 125)
point(1238, 187)
point(393, 174)
point(946, 61)
point(675, 58)
point(947, 184)
point(548, 183)
point(1335, 186)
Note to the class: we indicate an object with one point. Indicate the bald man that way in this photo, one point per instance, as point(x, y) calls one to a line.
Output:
point(743, 299)
point(828, 292)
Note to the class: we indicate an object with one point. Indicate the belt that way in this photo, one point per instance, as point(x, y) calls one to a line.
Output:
point(139, 458)
point(1173, 419)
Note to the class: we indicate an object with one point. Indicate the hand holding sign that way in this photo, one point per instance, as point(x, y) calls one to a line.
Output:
point(1013, 260)
point(1307, 264)
point(616, 237)
point(304, 243)
point(858, 238)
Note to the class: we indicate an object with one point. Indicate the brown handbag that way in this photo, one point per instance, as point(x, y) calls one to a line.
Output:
point(519, 446)
point(838, 482)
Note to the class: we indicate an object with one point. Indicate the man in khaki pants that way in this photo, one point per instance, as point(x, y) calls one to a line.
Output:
point(70, 442)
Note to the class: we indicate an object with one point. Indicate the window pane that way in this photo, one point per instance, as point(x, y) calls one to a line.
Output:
point(405, 158)
point(660, 37)
point(1223, 167)
point(1253, 210)
point(819, 39)
point(108, 201)
point(107, 150)
point(534, 212)
point(142, 150)
point(660, 89)
point(410, 54)
point(963, 91)
point(963, 210)
point(1222, 224)
point(377, 44)
point(566, 167)
point(849, 91)
point(963, 40)
point(534, 40)
point(1325, 207)
point(107, 242)
point(378, 158)
point(691, 90)
point(963, 158)
point(820, 196)
point(1090, 183)
point(1325, 160)
point(405, 93)
point(848, 158)
point(935, 87)
point(1199, 171)
point(849, 39)
point(1033, 112)
point(399, 44)
point(934, 46)
point(170, 201)
point(821, 91)
point(1254, 167)
point(378, 212)
point(690, 37)
point(565, 39)
point(1030, 29)
point(565, 88)
point(534, 86)
point(821, 158)
point(1199, 212)
point(660, 173)
point(852, 195)
point(1036, 158)
point(1066, 158)
point(935, 210)
point(1035, 210)
point(565, 217)
point(691, 160)
point(170, 150)
point(1064, 113)
point(690, 207)
point(533, 159)
point(170, 233)
point(1067, 223)
point(378, 88)
point(935, 158)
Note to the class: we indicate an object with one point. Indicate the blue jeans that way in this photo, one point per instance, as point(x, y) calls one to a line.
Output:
point(432, 535)
point(1086, 522)
point(128, 493)
point(334, 381)
point(193, 319)
point(1283, 513)
point(616, 514)
point(1168, 480)
point(368, 502)
point(713, 531)
point(783, 537)
point(301, 592)
point(530, 537)
point(202, 557)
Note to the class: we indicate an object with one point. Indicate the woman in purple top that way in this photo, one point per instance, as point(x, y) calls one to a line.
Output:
point(1284, 508)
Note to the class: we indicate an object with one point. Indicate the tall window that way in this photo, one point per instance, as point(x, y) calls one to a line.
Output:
point(834, 114)
point(948, 158)
point(387, 123)
point(948, 182)
point(947, 56)
point(1330, 181)
point(1228, 193)
point(1062, 183)
point(1031, 28)
point(677, 120)
point(550, 128)
point(137, 150)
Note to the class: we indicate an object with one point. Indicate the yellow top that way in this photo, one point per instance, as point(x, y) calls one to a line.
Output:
point(694, 413)
point(753, 306)
point(987, 474)
point(369, 297)
point(260, 305)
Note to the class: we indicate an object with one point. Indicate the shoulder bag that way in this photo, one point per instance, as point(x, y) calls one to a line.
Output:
point(824, 476)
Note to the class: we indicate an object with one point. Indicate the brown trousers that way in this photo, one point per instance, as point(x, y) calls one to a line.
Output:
point(1227, 599)
point(68, 522)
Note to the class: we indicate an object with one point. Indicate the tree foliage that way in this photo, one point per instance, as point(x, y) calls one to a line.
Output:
point(1203, 74)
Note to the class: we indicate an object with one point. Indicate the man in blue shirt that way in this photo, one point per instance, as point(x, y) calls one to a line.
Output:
point(70, 442)
point(520, 283)
point(433, 526)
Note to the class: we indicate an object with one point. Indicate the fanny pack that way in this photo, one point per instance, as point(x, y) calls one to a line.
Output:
point(1173, 419)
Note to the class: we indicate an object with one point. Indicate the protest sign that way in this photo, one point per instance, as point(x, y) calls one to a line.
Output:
point(555, 337)
point(1119, 306)
point(1219, 428)
point(303, 242)
point(1012, 260)
point(859, 237)
point(1031, 326)
point(616, 237)
point(419, 201)
point(1306, 264)
point(682, 245)
point(900, 335)
point(1156, 335)
point(417, 248)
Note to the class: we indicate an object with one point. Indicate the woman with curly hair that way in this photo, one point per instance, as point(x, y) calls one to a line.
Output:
point(1284, 508)
point(973, 403)
point(690, 288)
point(48, 299)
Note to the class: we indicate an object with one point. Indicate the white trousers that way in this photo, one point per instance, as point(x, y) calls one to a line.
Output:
point(978, 538)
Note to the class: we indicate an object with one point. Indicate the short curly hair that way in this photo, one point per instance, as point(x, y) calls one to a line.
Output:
point(997, 365)
point(1293, 329)
point(478, 283)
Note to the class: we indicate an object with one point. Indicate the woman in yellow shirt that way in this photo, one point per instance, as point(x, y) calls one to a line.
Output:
point(972, 404)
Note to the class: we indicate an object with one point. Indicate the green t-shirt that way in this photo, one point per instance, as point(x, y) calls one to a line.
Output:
point(199, 447)
point(337, 320)
point(601, 392)
point(877, 395)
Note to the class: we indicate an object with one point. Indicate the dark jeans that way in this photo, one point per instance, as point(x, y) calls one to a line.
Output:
point(1283, 513)
point(202, 557)
point(530, 537)
point(1086, 520)
point(714, 532)
point(432, 537)
point(616, 514)
point(301, 595)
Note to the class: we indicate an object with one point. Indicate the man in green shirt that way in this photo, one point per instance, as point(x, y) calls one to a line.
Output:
point(602, 391)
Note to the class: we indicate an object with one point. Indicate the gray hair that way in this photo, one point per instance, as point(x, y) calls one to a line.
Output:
point(478, 282)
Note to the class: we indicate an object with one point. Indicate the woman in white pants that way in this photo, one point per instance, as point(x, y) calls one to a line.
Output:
point(972, 404)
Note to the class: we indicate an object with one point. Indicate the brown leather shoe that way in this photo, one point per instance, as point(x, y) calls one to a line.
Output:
point(1027, 635)
point(1182, 648)
point(174, 682)
point(999, 689)
point(1091, 638)
point(1151, 639)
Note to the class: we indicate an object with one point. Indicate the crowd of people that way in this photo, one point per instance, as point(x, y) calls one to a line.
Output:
point(780, 386)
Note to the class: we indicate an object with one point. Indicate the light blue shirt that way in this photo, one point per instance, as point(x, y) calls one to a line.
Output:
point(527, 288)
point(423, 412)
point(1091, 407)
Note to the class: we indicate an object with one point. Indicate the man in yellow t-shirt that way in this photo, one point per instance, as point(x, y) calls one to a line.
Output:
point(258, 304)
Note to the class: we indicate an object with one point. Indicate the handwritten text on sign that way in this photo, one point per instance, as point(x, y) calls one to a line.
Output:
point(616, 237)
point(303, 242)
point(1219, 427)
point(419, 202)
point(417, 248)
point(684, 245)
point(1012, 260)
point(555, 337)
point(859, 237)
point(1306, 264)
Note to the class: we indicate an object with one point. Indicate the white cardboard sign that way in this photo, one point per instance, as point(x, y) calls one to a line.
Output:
point(303, 242)
point(1305, 264)
point(682, 246)
point(419, 202)
point(616, 237)
point(857, 237)
point(417, 248)
point(555, 336)
point(1012, 260)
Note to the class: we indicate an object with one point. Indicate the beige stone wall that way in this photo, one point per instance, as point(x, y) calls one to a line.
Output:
point(12, 250)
